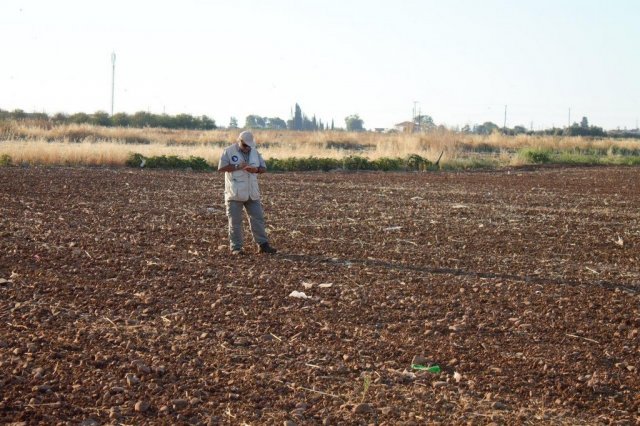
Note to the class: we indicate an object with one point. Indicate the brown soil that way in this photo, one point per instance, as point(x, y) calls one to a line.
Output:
point(120, 302)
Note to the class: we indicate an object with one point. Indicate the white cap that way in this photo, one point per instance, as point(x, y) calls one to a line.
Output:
point(247, 138)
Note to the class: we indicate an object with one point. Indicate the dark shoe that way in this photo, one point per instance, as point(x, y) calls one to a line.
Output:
point(266, 248)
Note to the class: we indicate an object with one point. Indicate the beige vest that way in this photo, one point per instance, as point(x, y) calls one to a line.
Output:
point(240, 185)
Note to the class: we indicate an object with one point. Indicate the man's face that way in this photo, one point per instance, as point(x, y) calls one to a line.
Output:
point(244, 147)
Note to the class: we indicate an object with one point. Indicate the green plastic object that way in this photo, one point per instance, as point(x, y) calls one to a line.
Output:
point(430, 369)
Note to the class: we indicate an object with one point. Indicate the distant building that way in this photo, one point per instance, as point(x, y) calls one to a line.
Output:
point(405, 127)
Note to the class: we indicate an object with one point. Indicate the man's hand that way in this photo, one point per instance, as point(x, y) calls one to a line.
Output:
point(251, 169)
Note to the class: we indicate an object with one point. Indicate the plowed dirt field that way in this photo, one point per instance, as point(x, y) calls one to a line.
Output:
point(120, 303)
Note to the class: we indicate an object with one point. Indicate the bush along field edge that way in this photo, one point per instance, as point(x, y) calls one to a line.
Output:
point(526, 156)
point(414, 162)
point(410, 163)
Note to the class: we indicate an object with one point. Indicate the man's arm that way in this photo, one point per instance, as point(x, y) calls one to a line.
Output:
point(262, 167)
point(228, 168)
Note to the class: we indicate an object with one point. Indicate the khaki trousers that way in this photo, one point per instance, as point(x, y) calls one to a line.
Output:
point(256, 222)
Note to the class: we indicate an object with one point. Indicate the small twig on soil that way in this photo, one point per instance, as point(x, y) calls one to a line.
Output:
point(580, 337)
point(312, 365)
point(592, 270)
point(18, 326)
point(481, 415)
point(113, 323)
point(407, 241)
point(320, 392)
point(279, 339)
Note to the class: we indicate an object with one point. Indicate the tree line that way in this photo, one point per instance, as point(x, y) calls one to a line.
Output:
point(299, 121)
point(583, 128)
point(100, 118)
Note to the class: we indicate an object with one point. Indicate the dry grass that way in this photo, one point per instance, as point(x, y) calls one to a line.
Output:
point(41, 143)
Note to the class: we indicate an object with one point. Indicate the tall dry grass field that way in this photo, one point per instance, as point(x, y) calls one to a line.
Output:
point(26, 143)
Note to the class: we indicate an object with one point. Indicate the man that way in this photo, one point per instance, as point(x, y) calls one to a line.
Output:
point(241, 164)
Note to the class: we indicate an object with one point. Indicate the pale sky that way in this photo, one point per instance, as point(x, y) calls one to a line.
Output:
point(462, 61)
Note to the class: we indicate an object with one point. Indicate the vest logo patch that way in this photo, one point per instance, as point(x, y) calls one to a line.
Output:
point(234, 158)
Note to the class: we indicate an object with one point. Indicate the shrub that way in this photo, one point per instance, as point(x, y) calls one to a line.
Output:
point(388, 164)
point(577, 159)
point(536, 155)
point(5, 160)
point(302, 164)
point(168, 162)
point(135, 160)
point(415, 162)
point(356, 162)
point(470, 164)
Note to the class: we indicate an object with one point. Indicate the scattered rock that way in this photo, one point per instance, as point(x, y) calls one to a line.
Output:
point(142, 406)
point(386, 410)
point(362, 409)
point(241, 341)
point(114, 413)
point(38, 373)
point(499, 406)
point(132, 380)
point(141, 367)
point(420, 360)
point(179, 404)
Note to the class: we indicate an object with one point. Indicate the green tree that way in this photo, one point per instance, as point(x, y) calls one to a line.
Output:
point(306, 123)
point(19, 114)
point(79, 118)
point(254, 122)
point(276, 123)
point(142, 119)
point(100, 118)
point(207, 123)
point(60, 118)
point(584, 123)
point(121, 119)
point(486, 128)
point(184, 121)
point(233, 123)
point(297, 118)
point(354, 123)
point(424, 122)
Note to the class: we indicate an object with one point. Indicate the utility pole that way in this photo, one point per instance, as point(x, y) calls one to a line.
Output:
point(504, 126)
point(113, 78)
